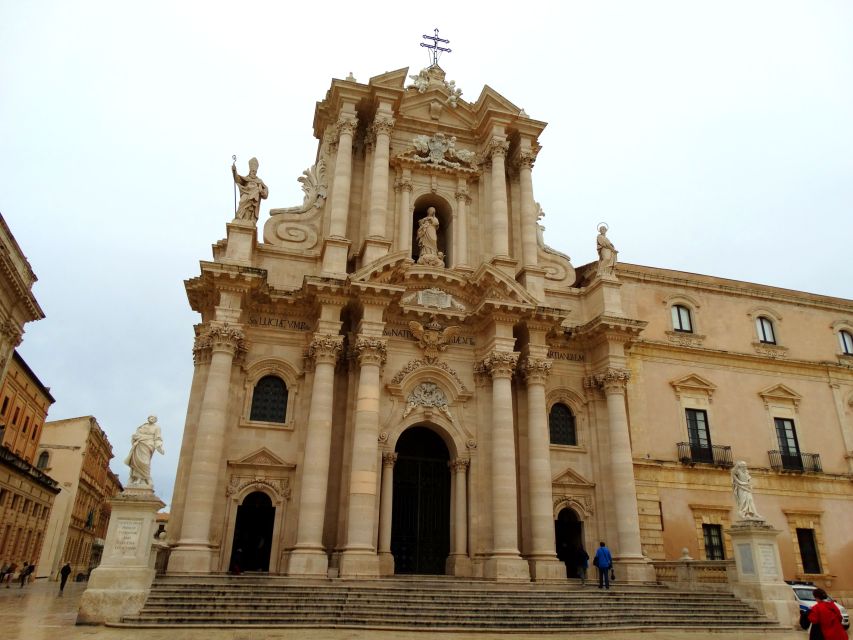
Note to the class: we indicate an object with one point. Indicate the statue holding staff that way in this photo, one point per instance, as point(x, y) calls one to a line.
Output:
point(252, 191)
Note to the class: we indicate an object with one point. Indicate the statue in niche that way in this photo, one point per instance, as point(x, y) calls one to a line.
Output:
point(606, 252)
point(742, 491)
point(252, 191)
point(428, 240)
point(144, 442)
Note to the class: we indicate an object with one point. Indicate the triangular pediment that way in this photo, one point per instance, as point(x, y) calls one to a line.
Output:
point(693, 383)
point(780, 393)
point(432, 106)
point(391, 79)
point(496, 286)
point(491, 99)
point(262, 457)
point(571, 478)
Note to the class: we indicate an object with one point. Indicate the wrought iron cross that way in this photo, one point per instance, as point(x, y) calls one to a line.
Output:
point(434, 48)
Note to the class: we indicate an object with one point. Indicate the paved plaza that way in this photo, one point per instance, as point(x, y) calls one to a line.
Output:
point(36, 613)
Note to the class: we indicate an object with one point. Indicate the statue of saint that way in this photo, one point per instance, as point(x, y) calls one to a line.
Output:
point(742, 490)
point(428, 240)
point(144, 442)
point(606, 253)
point(252, 191)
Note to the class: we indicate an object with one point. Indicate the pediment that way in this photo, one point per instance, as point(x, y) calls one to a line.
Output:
point(391, 79)
point(491, 99)
point(571, 478)
point(780, 393)
point(262, 457)
point(496, 286)
point(693, 383)
point(432, 106)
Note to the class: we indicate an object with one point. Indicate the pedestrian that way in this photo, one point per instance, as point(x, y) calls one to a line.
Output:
point(10, 574)
point(25, 573)
point(582, 563)
point(825, 618)
point(64, 572)
point(3, 572)
point(603, 561)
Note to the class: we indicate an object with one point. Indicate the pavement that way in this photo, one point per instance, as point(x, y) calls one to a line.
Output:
point(37, 613)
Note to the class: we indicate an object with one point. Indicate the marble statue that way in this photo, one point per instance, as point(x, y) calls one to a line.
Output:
point(428, 240)
point(252, 191)
point(420, 81)
point(454, 93)
point(144, 442)
point(742, 490)
point(441, 150)
point(606, 253)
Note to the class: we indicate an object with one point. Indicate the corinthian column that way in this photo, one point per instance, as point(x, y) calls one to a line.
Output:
point(460, 507)
point(335, 251)
point(359, 557)
point(624, 491)
point(386, 500)
point(500, 222)
point(505, 560)
point(194, 550)
point(543, 555)
point(309, 556)
point(529, 243)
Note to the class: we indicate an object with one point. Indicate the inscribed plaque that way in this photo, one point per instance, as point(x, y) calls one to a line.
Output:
point(747, 565)
point(128, 531)
point(767, 555)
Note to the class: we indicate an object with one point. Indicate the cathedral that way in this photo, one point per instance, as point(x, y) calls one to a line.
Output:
point(399, 376)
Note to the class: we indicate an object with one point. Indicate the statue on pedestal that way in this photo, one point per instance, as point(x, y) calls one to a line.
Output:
point(252, 191)
point(144, 442)
point(742, 491)
point(428, 240)
point(606, 252)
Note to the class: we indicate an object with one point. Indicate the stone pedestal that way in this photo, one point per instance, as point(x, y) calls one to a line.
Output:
point(242, 239)
point(759, 580)
point(510, 568)
point(119, 587)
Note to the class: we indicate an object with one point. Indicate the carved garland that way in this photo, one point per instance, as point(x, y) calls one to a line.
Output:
point(279, 487)
point(581, 504)
point(414, 365)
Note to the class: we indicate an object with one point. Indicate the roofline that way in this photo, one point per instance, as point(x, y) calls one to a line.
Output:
point(20, 360)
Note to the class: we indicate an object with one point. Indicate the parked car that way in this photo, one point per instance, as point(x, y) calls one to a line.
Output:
point(805, 599)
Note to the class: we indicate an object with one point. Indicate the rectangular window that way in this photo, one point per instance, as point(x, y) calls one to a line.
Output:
point(808, 551)
point(5, 405)
point(714, 549)
point(789, 449)
point(26, 424)
point(765, 330)
point(699, 435)
point(3, 494)
point(681, 319)
point(15, 415)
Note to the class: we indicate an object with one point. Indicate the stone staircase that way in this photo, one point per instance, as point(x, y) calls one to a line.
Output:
point(437, 603)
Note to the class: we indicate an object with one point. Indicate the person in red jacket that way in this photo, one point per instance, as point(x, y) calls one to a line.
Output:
point(826, 615)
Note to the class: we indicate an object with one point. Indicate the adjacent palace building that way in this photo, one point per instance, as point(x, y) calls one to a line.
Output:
point(402, 378)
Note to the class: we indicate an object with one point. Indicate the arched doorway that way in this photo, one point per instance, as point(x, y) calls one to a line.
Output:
point(253, 533)
point(568, 533)
point(420, 522)
point(445, 218)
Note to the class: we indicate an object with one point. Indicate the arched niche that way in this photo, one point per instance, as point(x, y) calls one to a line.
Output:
point(444, 213)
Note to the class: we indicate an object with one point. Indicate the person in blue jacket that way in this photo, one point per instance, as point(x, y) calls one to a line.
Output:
point(603, 562)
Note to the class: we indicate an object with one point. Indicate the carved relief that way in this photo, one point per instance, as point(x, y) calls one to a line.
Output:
point(429, 396)
point(433, 297)
point(382, 125)
point(219, 338)
point(432, 339)
point(501, 364)
point(536, 370)
point(497, 147)
point(325, 348)
point(280, 487)
point(683, 339)
point(370, 350)
point(612, 380)
point(582, 505)
point(557, 265)
point(414, 365)
point(346, 125)
point(441, 150)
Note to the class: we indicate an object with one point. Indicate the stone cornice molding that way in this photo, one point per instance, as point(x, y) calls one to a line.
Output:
point(535, 370)
point(389, 459)
point(325, 348)
point(501, 364)
point(610, 328)
point(404, 161)
point(612, 380)
point(370, 350)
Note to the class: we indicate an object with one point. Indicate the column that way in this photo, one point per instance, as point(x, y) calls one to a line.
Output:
point(505, 560)
point(404, 237)
point(460, 511)
point(460, 229)
point(359, 556)
point(543, 555)
point(629, 551)
point(309, 556)
point(386, 500)
point(529, 243)
point(336, 246)
point(194, 553)
point(500, 222)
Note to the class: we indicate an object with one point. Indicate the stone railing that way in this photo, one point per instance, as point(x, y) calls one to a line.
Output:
point(695, 575)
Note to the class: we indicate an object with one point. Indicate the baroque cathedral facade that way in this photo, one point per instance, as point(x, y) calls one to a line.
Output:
point(401, 377)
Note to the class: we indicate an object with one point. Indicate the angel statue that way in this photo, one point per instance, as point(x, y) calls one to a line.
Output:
point(432, 338)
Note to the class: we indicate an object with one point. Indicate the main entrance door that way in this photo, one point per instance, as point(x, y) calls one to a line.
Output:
point(568, 533)
point(420, 524)
point(253, 533)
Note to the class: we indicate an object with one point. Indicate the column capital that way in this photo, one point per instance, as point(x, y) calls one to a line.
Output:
point(500, 364)
point(460, 465)
point(389, 459)
point(612, 380)
point(325, 348)
point(218, 337)
point(462, 195)
point(403, 184)
point(536, 370)
point(497, 147)
point(383, 125)
point(346, 125)
point(370, 350)
point(526, 158)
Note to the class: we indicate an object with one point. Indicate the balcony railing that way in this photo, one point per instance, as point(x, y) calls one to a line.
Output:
point(718, 455)
point(795, 462)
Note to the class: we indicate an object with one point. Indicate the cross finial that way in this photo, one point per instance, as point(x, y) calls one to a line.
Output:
point(434, 48)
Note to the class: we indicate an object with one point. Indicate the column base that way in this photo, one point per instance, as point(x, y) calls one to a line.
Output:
point(308, 562)
point(359, 564)
point(633, 569)
point(335, 254)
point(511, 568)
point(386, 564)
point(547, 570)
point(191, 558)
point(459, 565)
point(114, 592)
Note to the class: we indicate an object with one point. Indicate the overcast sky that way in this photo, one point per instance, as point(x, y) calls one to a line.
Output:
point(713, 137)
